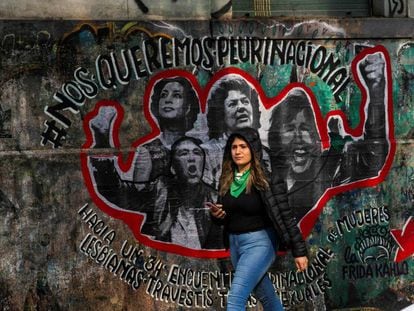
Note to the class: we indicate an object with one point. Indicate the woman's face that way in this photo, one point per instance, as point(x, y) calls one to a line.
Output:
point(171, 105)
point(188, 162)
point(238, 111)
point(240, 153)
point(299, 141)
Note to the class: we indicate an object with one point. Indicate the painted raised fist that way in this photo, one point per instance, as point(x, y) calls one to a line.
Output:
point(101, 127)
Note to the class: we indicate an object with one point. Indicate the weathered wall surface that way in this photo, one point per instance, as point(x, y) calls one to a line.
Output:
point(82, 229)
point(112, 10)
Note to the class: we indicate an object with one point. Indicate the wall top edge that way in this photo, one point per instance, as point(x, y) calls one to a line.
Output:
point(272, 28)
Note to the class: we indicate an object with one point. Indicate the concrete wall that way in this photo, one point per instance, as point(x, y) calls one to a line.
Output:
point(82, 230)
point(109, 10)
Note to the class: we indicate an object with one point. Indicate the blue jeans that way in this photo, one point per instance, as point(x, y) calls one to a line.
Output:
point(252, 254)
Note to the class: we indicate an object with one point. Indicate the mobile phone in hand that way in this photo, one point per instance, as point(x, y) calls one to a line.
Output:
point(214, 207)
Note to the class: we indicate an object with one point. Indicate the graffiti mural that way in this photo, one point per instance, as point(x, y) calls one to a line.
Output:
point(127, 122)
point(297, 135)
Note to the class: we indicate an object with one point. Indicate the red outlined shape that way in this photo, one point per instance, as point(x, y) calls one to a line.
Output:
point(134, 220)
point(404, 239)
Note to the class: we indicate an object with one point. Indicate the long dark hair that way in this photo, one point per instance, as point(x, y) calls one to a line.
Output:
point(257, 176)
point(190, 100)
point(283, 113)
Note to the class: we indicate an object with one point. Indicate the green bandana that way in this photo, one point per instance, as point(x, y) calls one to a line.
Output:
point(239, 183)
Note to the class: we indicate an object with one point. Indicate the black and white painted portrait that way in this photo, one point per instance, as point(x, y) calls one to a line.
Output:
point(172, 174)
point(232, 104)
point(175, 105)
point(166, 186)
point(296, 152)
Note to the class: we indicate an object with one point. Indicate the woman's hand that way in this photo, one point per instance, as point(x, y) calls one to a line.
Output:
point(216, 210)
point(301, 263)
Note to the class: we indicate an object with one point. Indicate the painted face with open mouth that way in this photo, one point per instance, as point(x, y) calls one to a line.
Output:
point(299, 138)
point(188, 162)
point(238, 111)
point(171, 104)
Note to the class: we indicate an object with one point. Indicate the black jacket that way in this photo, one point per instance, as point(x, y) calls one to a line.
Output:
point(282, 217)
point(274, 199)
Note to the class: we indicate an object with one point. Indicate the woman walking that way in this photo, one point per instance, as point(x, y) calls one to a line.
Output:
point(257, 220)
